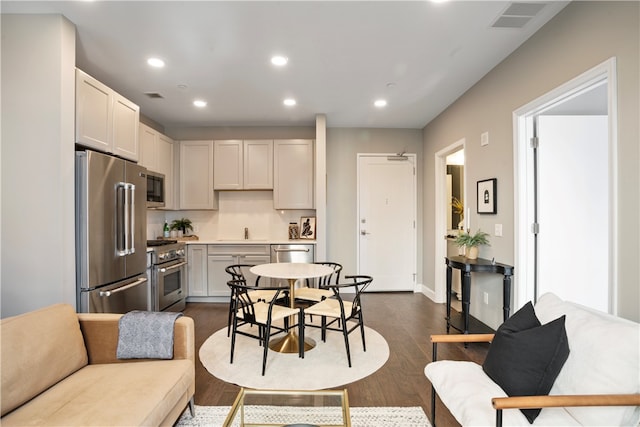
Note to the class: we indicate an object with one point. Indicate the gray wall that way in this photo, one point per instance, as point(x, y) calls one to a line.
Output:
point(343, 144)
point(581, 36)
point(38, 109)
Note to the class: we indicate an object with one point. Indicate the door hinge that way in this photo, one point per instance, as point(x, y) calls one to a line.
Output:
point(535, 228)
point(534, 142)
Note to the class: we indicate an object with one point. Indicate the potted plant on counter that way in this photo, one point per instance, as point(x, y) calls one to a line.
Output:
point(471, 242)
point(183, 224)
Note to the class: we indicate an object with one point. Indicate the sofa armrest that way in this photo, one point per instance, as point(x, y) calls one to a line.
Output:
point(462, 338)
point(525, 402)
point(100, 332)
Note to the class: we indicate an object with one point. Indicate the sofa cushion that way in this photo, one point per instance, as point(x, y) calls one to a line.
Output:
point(525, 357)
point(118, 394)
point(466, 390)
point(605, 358)
point(39, 349)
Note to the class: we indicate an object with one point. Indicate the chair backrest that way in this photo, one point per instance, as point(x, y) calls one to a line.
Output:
point(331, 279)
point(240, 272)
point(241, 299)
point(359, 283)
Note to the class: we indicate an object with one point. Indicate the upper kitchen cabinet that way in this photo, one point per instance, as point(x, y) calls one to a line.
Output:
point(293, 169)
point(156, 154)
point(105, 120)
point(196, 176)
point(243, 165)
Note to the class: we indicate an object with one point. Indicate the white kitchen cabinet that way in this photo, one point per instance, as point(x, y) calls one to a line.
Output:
point(166, 166)
point(243, 165)
point(228, 165)
point(197, 270)
point(293, 169)
point(156, 154)
point(148, 141)
point(105, 120)
point(258, 165)
point(221, 256)
point(196, 176)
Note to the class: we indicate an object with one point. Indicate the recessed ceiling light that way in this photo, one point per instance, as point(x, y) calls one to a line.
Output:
point(279, 60)
point(380, 103)
point(289, 102)
point(155, 62)
point(200, 103)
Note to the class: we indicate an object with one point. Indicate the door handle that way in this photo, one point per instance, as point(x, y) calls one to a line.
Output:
point(173, 267)
point(364, 232)
point(123, 288)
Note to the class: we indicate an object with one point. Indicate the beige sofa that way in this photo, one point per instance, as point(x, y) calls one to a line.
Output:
point(60, 368)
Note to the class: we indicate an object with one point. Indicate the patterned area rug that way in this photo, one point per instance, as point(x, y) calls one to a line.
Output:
point(325, 366)
point(412, 416)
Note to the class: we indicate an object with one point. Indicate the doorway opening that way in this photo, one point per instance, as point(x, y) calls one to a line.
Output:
point(448, 160)
point(565, 144)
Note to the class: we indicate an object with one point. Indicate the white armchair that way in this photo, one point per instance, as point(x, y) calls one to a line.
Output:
point(599, 383)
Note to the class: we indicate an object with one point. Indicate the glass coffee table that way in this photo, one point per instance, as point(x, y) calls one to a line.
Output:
point(289, 408)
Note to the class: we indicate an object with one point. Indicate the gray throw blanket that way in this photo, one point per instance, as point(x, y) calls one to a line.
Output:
point(146, 335)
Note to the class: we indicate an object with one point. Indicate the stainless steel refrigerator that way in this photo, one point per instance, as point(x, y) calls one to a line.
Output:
point(111, 227)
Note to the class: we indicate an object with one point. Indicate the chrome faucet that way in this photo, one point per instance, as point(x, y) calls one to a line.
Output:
point(246, 233)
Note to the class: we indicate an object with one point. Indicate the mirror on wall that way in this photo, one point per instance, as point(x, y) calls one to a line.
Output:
point(455, 190)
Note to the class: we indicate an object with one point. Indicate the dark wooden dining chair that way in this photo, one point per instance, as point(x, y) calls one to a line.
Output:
point(320, 291)
point(263, 315)
point(344, 312)
point(237, 272)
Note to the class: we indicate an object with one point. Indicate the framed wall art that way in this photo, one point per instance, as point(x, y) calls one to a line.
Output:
point(487, 193)
point(308, 227)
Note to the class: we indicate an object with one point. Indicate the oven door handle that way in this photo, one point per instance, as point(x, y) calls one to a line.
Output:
point(123, 288)
point(290, 250)
point(173, 267)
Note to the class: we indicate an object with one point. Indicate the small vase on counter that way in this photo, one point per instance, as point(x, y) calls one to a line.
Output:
point(294, 231)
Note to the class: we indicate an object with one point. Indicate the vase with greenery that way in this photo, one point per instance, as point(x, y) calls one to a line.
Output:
point(471, 242)
point(183, 224)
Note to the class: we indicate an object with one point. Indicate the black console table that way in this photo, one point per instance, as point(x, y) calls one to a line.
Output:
point(480, 265)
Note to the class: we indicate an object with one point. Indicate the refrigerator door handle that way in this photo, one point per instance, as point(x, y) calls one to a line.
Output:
point(125, 225)
point(131, 248)
point(121, 219)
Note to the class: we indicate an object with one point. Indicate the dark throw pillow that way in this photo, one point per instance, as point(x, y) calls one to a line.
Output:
point(525, 357)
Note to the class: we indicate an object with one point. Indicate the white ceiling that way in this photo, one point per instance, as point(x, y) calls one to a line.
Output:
point(419, 55)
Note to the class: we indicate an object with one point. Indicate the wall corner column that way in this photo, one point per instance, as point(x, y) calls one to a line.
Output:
point(321, 187)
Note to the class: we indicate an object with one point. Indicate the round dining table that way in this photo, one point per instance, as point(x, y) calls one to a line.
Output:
point(291, 271)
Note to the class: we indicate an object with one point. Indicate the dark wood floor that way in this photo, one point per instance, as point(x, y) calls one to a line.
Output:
point(405, 320)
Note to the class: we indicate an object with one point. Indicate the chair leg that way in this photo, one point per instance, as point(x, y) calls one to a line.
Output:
point(323, 329)
point(433, 406)
point(364, 345)
point(345, 333)
point(266, 347)
point(301, 334)
point(192, 407)
point(233, 338)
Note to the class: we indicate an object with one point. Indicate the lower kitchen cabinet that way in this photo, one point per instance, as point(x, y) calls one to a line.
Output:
point(197, 270)
point(207, 263)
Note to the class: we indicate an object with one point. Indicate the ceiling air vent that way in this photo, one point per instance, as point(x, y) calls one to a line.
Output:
point(517, 15)
point(154, 95)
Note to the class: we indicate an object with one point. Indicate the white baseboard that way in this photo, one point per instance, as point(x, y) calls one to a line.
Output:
point(420, 288)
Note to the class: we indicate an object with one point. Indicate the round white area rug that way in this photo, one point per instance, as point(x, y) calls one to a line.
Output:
point(324, 366)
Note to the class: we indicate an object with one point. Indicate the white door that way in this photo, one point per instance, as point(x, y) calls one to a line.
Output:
point(573, 209)
point(387, 221)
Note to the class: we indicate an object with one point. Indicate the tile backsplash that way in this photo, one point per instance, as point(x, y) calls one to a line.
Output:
point(236, 210)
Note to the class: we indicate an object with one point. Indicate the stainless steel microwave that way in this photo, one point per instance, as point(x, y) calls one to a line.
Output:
point(155, 189)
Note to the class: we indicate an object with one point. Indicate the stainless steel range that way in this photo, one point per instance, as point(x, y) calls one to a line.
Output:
point(168, 275)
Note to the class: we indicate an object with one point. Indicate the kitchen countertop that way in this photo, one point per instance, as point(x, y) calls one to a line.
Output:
point(250, 242)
